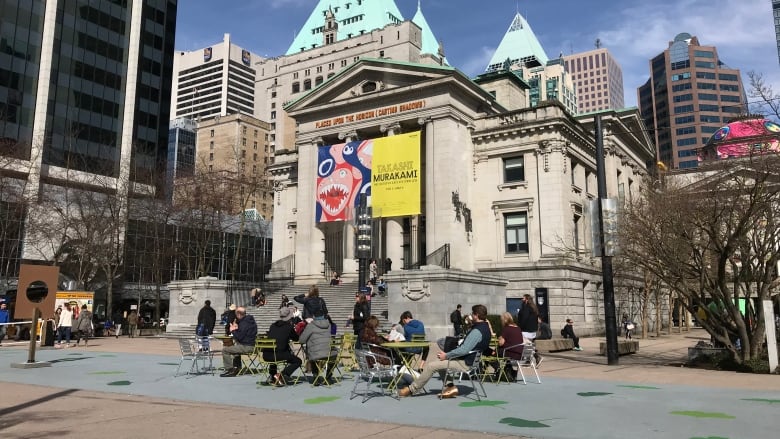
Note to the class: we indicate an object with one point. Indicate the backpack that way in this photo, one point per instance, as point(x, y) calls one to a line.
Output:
point(454, 317)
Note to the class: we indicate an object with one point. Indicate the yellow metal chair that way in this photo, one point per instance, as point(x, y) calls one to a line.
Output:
point(249, 362)
point(267, 345)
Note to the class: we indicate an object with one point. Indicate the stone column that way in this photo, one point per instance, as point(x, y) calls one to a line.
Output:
point(430, 189)
point(309, 243)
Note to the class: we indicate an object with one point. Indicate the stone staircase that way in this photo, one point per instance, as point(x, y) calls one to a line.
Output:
point(340, 301)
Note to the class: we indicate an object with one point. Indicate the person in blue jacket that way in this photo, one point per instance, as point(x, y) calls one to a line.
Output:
point(4, 318)
point(414, 327)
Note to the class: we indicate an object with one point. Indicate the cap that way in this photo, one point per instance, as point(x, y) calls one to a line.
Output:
point(232, 307)
point(285, 314)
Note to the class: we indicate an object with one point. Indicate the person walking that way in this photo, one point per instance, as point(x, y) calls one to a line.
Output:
point(527, 319)
point(132, 323)
point(628, 326)
point(456, 318)
point(119, 317)
point(4, 320)
point(65, 326)
point(207, 318)
point(83, 326)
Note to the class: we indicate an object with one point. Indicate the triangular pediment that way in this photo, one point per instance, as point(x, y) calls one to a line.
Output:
point(374, 78)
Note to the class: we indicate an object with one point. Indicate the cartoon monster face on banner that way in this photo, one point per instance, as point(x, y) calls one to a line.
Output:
point(343, 172)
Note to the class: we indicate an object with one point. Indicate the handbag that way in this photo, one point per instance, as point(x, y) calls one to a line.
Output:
point(630, 326)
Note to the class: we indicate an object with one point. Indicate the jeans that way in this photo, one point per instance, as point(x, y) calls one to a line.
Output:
point(63, 332)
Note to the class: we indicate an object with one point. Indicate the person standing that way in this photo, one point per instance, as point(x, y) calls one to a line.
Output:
point(83, 325)
point(457, 321)
point(244, 333)
point(4, 319)
point(207, 318)
point(132, 323)
point(527, 319)
point(568, 332)
point(312, 302)
point(373, 272)
point(64, 328)
point(360, 313)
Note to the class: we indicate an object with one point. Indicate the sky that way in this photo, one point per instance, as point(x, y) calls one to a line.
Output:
point(633, 30)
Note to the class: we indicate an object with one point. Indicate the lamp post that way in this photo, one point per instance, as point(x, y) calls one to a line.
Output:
point(606, 249)
point(364, 226)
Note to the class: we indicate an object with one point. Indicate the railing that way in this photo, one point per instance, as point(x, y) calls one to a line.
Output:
point(440, 257)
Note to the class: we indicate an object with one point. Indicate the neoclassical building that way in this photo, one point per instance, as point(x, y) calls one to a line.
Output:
point(503, 189)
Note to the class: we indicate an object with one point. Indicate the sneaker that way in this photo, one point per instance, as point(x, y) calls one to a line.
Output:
point(577, 349)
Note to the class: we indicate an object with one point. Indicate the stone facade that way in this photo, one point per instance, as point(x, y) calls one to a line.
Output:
point(488, 172)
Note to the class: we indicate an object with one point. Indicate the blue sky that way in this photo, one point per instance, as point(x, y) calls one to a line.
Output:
point(633, 30)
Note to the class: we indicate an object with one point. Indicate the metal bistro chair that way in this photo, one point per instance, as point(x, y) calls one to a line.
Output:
point(190, 352)
point(249, 361)
point(472, 373)
point(488, 361)
point(526, 361)
point(371, 366)
point(323, 367)
point(264, 366)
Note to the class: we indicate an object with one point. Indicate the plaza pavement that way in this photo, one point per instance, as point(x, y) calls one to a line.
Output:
point(125, 388)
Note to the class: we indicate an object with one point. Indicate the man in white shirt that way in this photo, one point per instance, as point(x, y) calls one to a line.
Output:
point(64, 328)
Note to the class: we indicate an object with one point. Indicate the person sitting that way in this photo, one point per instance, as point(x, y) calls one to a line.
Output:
point(283, 332)
point(477, 339)
point(244, 332)
point(544, 332)
point(510, 343)
point(335, 280)
point(381, 286)
point(258, 297)
point(568, 332)
point(414, 327)
point(285, 302)
point(316, 337)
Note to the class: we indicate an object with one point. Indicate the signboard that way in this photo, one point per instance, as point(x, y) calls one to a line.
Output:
point(386, 169)
point(76, 300)
point(207, 54)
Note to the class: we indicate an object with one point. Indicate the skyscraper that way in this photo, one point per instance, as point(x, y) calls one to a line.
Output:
point(88, 85)
point(598, 80)
point(214, 81)
point(691, 93)
point(521, 51)
point(88, 88)
point(776, 16)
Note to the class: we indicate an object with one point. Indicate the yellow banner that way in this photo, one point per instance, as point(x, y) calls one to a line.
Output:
point(395, 175)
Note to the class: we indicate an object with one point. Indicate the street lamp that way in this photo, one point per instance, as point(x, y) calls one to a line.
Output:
point(363, 233)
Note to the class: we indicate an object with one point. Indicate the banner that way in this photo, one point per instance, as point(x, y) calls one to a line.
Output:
point(395, 177)
point(387, 170)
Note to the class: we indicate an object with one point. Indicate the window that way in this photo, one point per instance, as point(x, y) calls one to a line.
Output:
point(728, 98)
point(514, 169)
point(516, 226)
point(212, 133)
point(683, 98)
point(686, 130)
point(709, 119)
point(296, 87)
point(273, 115)
point(727, 77)
point(705, 86)
point(708, 97)
point(254, 145)
point(707, 107)
point(683, 109)
point(687, 142)
point(211, 145)
point(685, 119)
point(211, 156)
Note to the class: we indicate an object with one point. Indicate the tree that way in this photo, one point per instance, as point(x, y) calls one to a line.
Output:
point(712, 239)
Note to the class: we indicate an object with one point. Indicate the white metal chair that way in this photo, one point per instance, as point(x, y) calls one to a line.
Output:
point(527, 361)
point(191, 351)
point(472, 373)
point(372, 365)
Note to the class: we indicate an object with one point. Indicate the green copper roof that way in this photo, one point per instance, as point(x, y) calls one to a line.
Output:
point(429, 42)
point(519, 45)
point(353, 16)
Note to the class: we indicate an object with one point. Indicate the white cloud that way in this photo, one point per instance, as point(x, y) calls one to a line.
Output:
point(741, 31)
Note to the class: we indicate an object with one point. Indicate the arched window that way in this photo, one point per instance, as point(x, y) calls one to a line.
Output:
point(318, 80)
point(307, 84)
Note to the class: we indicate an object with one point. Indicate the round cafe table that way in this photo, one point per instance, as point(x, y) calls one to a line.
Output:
point(225, 339)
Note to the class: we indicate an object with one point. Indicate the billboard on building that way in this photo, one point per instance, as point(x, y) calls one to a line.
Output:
point(386, 169)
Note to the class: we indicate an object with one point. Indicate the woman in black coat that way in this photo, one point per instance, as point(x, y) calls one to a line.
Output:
point(360, 314)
